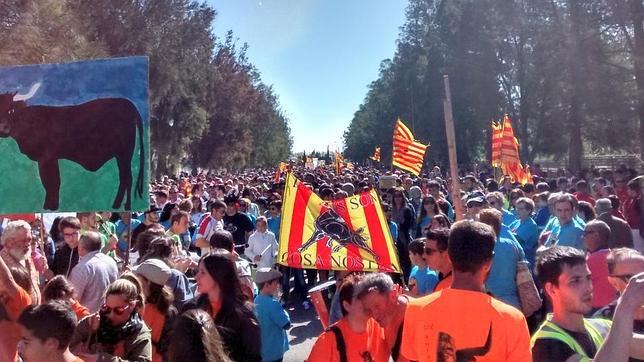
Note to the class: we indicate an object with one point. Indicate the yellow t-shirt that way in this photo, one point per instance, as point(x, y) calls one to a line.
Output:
point(462, 325)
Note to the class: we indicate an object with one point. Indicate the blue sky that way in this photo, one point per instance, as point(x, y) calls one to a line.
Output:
point(319, 55)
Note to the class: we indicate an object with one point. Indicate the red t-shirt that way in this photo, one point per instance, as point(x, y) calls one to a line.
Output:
point(603, 291)
point(10, 330)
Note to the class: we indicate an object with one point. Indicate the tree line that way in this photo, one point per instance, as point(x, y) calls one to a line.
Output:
point(570, 73)
point(208, 105)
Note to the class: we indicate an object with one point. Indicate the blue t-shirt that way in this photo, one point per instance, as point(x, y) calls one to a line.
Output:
point(273, 320)
point(393, 229)
point(273, 224)
point(426, 279)
point(570, 234)
point(121, 232)
point(527, 233)
point(502, 279)
point(508, 217)
point(542, 217)
point(424, 223)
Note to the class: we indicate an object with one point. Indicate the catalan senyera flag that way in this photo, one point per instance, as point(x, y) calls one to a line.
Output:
point(376, 155)
point(282, 167)
point(497, 135)
point(509, 160)
point(339, 162)
point(350, 234)
point(408, 153)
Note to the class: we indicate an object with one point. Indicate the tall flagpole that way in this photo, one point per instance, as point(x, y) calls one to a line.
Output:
point(451, 146)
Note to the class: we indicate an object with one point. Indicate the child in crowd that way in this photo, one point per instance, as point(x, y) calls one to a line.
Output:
point(422, 280)
point(273, 319)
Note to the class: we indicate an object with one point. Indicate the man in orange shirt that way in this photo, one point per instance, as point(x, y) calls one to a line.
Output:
point(382, 301)
point(437, 258)
point(463, 323)
point(355, 337)
point(13, 300)
point(48, 329)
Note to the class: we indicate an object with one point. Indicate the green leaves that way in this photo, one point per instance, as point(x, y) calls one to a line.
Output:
point(208, 105)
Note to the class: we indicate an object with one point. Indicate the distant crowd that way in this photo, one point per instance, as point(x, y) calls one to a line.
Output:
point(546, 271)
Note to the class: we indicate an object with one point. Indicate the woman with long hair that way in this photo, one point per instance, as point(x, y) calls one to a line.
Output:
point(222, 297)
point(117, 330)
point(403, 216)
point(153, 275)
point(196, 339)
point(440, 221)
point(429, 209)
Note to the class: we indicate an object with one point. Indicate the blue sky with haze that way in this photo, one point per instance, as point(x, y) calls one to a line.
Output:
point(319, 55)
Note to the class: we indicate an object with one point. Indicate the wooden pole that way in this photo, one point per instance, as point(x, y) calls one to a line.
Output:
point(451, 146)
point(129, 241)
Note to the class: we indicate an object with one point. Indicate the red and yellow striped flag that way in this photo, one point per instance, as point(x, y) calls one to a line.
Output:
point(408, 154)
point(282, 167)
point(348, 234)
point(509, 160)
point(339, 162)
point(509, 143)
point(497, 135)
point(376, 155)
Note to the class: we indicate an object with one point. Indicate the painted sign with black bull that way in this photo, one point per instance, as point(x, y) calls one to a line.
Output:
point(74, 136)
point(348, 234)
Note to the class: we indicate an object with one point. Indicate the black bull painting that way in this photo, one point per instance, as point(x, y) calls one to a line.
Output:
point(89, 134)
point(329, 224)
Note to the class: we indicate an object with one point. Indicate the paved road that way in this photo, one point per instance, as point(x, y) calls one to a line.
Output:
point(305, 328)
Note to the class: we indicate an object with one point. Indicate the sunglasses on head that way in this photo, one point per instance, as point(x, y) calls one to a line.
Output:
point(117, 310)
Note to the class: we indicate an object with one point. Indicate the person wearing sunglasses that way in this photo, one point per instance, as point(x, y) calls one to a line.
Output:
point(435, 255)
point(117, 329)
point(623, 264)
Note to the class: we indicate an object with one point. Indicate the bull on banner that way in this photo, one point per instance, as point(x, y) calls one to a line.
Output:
point(348, 234)
point(74, 136)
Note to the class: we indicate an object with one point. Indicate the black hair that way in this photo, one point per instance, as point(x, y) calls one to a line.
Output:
point(216, 204)
point(471, 245)
point(196, 338)
point(347, 289)
point(222, 239)
point(441, 236)
point(417, 246)
point(551, 261)
point(57, 288)
point(51, 320)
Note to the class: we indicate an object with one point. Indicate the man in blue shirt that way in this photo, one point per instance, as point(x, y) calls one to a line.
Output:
point(507, 253)
point(273, 319)
point(567, 231)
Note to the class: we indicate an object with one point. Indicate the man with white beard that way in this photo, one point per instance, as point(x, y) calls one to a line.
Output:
point(16, 253)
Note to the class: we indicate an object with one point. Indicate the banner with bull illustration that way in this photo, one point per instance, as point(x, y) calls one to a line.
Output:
point(349, 234)
point(74, 136)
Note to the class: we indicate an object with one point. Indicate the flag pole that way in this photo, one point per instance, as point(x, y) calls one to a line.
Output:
point(451, 146)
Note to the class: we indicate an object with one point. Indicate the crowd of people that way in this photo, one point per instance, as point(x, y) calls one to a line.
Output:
point(546, 271)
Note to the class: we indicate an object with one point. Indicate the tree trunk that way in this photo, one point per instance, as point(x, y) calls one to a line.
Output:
point(637, 16)
point(575, 60)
